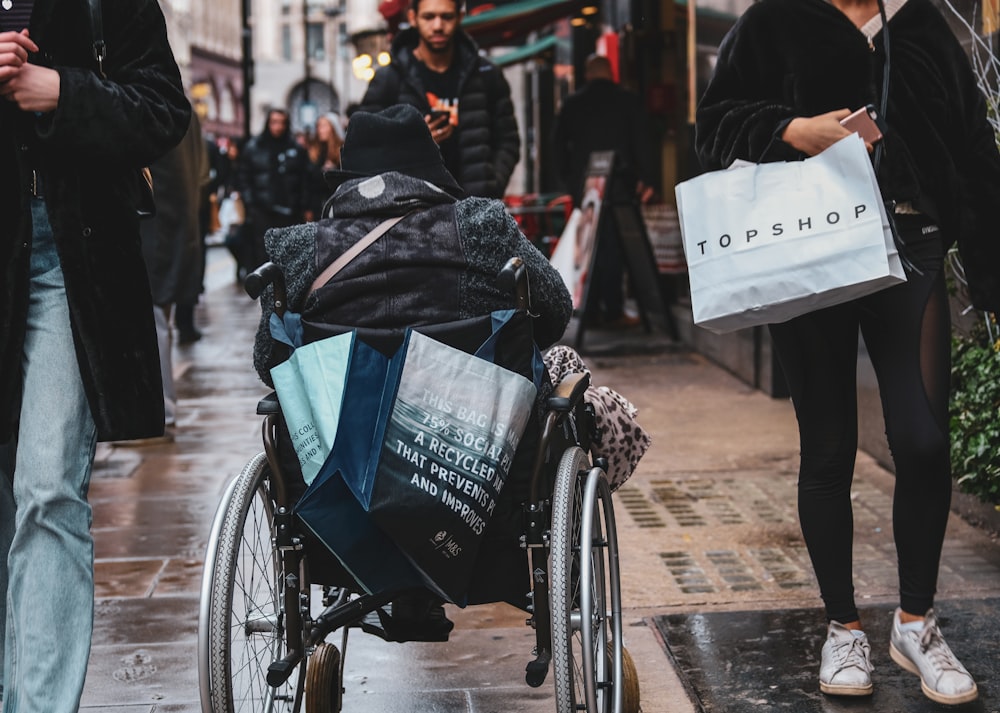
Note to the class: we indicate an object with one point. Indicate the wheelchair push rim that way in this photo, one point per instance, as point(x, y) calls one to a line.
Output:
point(585, 593)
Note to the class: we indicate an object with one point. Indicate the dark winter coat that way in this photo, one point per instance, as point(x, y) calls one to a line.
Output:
point(789, 58)
point(438, 265)
point(602, 116)
point(171, 240)
point(488, 142)
point(87, 152)
point(272, 175)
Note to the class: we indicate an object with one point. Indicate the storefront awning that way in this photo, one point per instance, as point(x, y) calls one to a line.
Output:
point(511, 22)
point(525, 52)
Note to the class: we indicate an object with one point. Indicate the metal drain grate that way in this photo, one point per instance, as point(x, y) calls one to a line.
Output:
point(703, 502)
point(639, 508)
point(734, 572)
point(689, 576)
point(678, 503)
point(781, 568)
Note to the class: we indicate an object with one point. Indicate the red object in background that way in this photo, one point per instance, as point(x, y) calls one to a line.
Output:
point(394, 12)
point(607, 46)
point(541, 223)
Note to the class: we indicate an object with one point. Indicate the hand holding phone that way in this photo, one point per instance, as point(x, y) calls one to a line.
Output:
point(866, 123)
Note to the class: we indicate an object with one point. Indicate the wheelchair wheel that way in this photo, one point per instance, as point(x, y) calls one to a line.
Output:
point(585, 590)
point(324, 690)
point(241, 623)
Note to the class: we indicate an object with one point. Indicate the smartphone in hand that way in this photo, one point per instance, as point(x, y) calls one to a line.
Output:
point(437, 114)
point(866, 122)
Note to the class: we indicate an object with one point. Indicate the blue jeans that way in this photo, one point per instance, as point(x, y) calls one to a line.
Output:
point(46, 550)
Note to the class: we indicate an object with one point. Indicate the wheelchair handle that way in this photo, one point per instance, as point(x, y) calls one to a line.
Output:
point(268, 274)
point(513, 279)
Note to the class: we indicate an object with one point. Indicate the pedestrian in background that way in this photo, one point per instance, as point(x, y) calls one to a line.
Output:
point(787, 73)
point(324, 155)
point(78, 356)
point(171, 248)
point(603, 116)
point(463, 96)
point(271, 181)
point(209, 179)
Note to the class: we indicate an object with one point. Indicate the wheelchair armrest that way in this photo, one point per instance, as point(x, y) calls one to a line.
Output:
point(268, 405)
point(568, 392)
point(268, 274)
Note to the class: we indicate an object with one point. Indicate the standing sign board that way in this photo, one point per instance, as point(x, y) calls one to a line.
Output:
point(574, 253)
point(599, 216)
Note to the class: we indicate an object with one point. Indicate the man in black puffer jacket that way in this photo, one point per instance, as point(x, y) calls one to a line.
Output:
point(466, 102)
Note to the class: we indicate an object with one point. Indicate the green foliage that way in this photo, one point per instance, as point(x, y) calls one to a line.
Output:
point(975, 415)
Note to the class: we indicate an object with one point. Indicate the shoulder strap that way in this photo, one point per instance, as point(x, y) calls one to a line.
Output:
point(97, 33)
point(874, 25)
point(359, 247)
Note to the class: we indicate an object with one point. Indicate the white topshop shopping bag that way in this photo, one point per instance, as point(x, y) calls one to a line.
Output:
point(768, 242)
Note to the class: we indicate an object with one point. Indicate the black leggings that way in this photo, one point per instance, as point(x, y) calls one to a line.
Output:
point(907, 330)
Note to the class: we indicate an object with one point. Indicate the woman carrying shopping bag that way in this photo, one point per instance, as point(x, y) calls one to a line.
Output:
point(788, 73)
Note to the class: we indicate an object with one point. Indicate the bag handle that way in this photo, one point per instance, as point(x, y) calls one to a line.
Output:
point(877, 158)
point(341, 262)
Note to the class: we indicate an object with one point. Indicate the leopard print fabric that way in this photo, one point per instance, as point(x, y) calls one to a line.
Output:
point(620, 439)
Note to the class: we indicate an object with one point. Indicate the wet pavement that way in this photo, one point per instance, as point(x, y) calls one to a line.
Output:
point(721, 610)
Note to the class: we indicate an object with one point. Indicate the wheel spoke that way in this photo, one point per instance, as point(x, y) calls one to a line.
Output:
point(245, 615)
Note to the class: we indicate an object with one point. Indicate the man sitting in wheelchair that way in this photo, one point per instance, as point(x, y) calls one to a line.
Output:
point(438, 264)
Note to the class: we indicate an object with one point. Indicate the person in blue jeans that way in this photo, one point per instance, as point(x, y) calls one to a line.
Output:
point(78, 354)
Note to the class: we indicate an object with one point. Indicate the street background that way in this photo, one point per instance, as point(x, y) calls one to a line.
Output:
point(721, 609)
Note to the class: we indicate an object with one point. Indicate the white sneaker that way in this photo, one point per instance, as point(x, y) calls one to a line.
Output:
point(924, 652)
point(846, 668)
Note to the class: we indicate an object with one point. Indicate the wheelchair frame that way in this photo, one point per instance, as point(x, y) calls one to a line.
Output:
point(260, 649)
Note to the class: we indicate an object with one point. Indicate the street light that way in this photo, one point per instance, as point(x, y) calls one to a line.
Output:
point(305, 51)
point(247, 64)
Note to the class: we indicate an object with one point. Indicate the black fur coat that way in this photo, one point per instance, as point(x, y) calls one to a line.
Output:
point(87, 151)
point(789, 58)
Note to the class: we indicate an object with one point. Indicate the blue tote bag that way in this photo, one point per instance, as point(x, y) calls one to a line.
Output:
point(424, 445)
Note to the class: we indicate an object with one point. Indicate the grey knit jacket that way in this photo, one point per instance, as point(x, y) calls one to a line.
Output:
point(439, 264)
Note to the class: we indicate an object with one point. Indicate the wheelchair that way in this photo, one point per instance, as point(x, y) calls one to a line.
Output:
point(263, 636)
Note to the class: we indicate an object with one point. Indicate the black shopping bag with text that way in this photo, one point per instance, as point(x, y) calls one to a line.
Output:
point(424, 445)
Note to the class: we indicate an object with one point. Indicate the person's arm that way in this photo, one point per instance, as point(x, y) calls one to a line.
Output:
point(138, 112)
point(293, 250)
point(561, 149)
point(642, 153)
point(977, 161)
point(741, 114)
point(490, 237)
point(506, 139)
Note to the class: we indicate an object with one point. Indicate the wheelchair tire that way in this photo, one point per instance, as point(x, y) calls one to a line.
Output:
point(324, 688)
point(241, 623)
point(585, 590)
